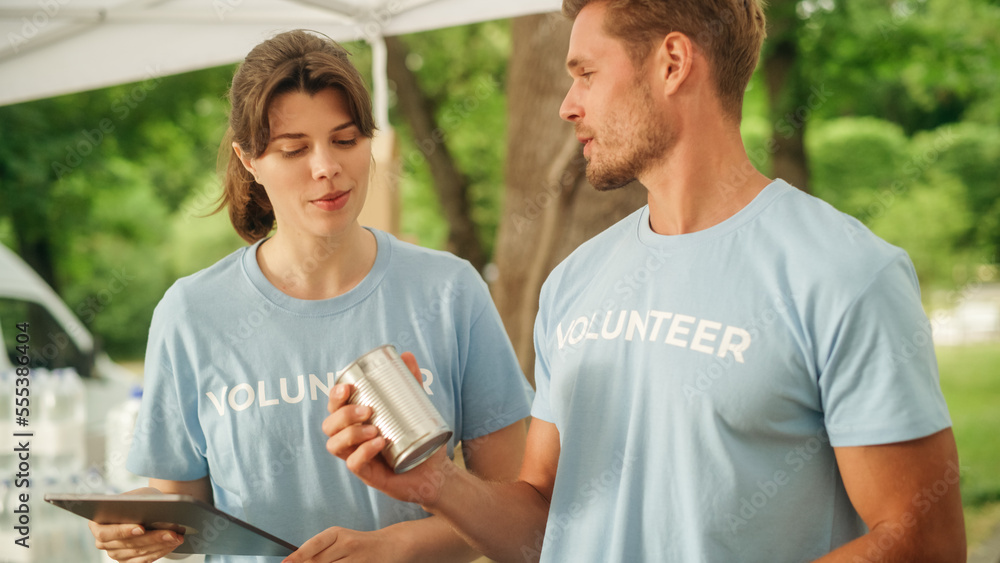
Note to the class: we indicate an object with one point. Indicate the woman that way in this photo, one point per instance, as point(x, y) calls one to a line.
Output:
point(242, 356)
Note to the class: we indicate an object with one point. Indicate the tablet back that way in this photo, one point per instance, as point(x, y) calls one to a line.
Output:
point(206, 529)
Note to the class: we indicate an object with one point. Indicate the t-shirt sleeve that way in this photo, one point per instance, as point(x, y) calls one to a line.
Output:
point(168, 442)
point(880, 382)
point(495, 393)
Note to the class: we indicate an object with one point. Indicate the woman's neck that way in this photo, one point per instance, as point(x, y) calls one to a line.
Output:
point(315, 268)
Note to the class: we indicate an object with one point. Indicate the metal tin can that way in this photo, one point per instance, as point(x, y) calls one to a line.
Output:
point(406, 418)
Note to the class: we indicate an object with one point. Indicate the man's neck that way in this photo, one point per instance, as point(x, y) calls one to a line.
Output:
point(701, 184)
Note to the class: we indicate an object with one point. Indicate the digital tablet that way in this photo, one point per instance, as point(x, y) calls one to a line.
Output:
point(206, 529)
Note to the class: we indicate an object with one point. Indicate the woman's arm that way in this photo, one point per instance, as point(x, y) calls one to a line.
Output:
point(200, 489)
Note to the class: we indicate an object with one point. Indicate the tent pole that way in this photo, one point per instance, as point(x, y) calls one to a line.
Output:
point(380, 81)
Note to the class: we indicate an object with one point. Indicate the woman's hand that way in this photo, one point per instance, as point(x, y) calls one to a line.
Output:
point(349, 546)
point(131, 543)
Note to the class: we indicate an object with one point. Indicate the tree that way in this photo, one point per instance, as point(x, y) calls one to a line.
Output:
point(781, 65)
point(43, 141)
point(451, 147)
point(451, 185)
point(922, 65)
point(550, 207)
point(88, 184)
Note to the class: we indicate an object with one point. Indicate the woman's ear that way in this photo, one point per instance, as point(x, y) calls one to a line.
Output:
point(246, 160)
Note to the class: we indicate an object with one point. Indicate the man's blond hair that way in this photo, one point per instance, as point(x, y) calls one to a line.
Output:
point(729, 32)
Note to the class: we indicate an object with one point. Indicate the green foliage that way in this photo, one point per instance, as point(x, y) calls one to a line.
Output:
point(934, 195)
point(118, 180)
point(928, 221)
point(918, 63)
point(972, 389)
point(421, 220)
point(970, 152)
point(197, 237)
point(462, 70)
point(96, 177)
point(755, 128)
point(756, 133)
point(850, 158)
point(109, 279)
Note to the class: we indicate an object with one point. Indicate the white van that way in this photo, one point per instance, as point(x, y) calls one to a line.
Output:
point(56, 340)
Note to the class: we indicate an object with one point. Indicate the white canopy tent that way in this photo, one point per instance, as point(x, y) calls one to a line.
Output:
point(53, 47)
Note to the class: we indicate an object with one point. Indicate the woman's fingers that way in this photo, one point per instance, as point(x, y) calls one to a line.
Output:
point(130, 543)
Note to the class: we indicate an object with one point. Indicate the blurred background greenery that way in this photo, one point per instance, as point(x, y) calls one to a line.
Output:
point(897, 104)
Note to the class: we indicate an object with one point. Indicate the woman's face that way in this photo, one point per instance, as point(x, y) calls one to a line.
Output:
point(316, 165)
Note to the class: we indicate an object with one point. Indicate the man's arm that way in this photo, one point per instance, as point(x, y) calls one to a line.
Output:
point(907, 493)
point(495, 456)
point(505, 521)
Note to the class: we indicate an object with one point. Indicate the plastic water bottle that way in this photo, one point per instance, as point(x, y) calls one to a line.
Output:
point(60, 418)
point(70, 418)
point(46, 440)
point(9, 551)
point(41, 400)
point(119, 432)
point(48, 538)
point(7, 521)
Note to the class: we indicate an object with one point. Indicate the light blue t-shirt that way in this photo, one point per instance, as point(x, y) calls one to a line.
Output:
point(238, 376)
point(700, 381)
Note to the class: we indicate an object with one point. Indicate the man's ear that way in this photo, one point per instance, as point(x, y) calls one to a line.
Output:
point(673, 58)
point(246, 160)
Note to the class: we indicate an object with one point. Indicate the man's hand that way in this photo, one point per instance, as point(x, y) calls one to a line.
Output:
point(359, 445)
point(496, 516)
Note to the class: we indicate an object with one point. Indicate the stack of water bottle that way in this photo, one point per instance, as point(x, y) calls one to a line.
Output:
point(57, 463)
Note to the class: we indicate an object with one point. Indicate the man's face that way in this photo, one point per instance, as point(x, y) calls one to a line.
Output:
point(623, 129)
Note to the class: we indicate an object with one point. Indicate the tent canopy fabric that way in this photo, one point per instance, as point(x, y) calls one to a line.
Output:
point(54, 47)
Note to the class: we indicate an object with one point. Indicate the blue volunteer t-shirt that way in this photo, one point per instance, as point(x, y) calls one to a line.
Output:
point(700, 381)
point(238, 376)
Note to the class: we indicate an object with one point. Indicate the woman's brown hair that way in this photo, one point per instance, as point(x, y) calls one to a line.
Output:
point(294, 61)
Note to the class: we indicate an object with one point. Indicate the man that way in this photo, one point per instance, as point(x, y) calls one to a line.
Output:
point(735, 372)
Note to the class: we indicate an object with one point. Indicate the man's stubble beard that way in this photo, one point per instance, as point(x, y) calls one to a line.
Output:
point(643, 136)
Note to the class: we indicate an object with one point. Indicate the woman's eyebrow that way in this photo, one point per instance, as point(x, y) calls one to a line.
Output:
point(340, 127)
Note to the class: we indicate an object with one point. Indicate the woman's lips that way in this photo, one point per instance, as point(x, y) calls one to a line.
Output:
point(332, 202)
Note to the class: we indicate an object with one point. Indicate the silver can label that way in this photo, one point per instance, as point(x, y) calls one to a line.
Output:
point(402, 412)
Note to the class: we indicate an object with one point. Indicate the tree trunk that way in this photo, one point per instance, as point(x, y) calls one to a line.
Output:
point(549, 206)
point(38, 254)
point(451, 185)
point(34, 243)
point(786, 94)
